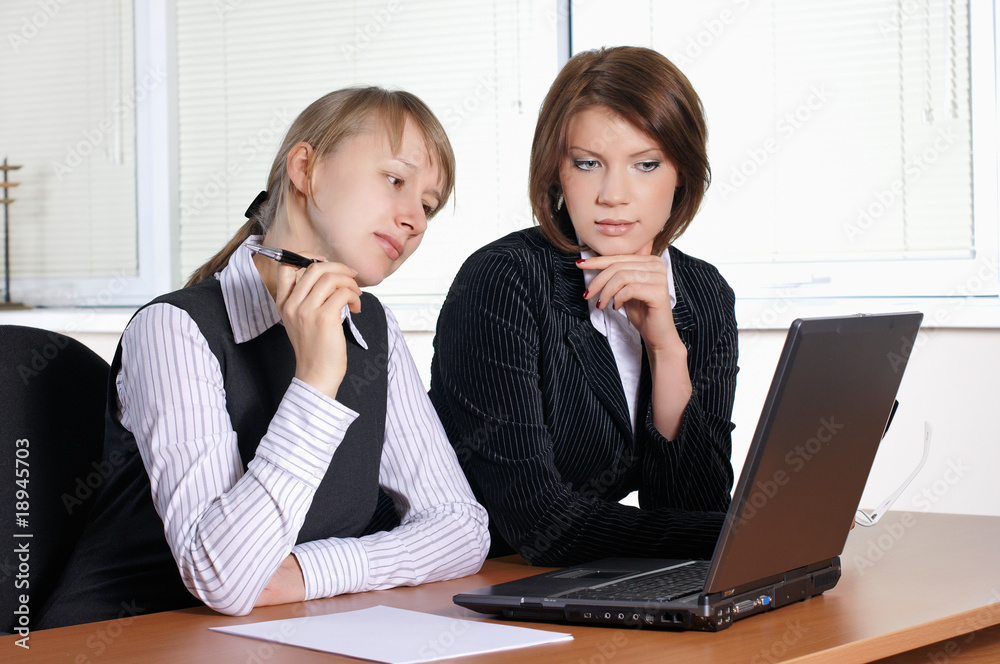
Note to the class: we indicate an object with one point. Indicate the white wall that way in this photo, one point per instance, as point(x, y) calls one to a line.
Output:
point(951, 381)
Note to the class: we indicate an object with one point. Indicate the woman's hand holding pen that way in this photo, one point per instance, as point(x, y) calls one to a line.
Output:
point(310, 301)
point(638, 282)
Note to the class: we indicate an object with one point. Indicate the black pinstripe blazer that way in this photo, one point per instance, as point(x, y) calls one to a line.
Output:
point(530, 396)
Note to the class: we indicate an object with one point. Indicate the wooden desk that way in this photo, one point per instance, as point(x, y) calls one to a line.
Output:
point(916, 588)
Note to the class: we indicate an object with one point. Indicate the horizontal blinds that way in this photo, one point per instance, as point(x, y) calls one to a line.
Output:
point(68, 119)
point(244, 73)
point(838, 130)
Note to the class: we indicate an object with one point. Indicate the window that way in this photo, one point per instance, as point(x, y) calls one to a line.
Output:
point(840, 135)
point(73, 234)
point(853, 142)
point(188, 101)
point(246, 69)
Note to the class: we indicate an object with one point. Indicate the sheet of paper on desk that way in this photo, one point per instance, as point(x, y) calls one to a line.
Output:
point(394, 636)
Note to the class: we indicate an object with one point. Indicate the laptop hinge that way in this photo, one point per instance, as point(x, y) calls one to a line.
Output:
point(796, 573)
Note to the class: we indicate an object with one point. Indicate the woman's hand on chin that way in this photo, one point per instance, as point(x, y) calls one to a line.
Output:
point(638, 283)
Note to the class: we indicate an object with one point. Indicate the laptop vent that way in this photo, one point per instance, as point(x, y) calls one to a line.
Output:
point(827, 580)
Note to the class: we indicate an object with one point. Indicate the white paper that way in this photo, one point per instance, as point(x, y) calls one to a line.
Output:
point(394, 636)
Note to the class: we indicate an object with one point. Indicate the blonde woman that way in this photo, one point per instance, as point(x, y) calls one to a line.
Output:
point(276, 442)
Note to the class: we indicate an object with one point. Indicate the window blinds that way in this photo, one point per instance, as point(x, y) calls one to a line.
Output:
point(69, 120)
point(246, 69)
point(838, 130)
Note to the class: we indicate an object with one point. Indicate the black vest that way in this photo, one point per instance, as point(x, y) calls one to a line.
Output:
point(123, 559)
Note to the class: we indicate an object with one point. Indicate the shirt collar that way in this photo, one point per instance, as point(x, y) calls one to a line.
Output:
point(249, 306)
point(597, 315)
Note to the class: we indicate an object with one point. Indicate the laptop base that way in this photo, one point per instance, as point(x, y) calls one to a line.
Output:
point(711, 615)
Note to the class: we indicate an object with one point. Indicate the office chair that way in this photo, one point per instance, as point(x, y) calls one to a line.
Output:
point(52, 396)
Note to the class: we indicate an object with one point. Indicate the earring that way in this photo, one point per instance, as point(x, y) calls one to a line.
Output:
point(559, 202)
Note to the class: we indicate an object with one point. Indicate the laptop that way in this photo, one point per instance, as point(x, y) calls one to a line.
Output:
point(828, 406)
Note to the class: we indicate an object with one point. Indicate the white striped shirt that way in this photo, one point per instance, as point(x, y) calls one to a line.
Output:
point(228, 529)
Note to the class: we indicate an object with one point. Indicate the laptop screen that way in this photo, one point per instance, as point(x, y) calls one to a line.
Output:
point(819, 430)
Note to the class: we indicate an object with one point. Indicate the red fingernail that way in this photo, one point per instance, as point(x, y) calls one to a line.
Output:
point(580, 261)
point(598, 304)
point(585, 293)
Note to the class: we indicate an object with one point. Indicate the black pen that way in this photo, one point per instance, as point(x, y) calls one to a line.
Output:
point(282, 255)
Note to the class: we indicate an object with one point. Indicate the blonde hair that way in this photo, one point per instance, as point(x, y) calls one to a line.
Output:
point(324, 125)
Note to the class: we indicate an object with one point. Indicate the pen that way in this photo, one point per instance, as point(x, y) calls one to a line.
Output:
point(282, 255)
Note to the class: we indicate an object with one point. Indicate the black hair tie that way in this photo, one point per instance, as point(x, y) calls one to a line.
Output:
point(255, 206)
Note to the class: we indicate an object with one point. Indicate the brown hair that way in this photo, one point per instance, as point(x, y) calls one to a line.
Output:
point(324, 125)
point(651, 94)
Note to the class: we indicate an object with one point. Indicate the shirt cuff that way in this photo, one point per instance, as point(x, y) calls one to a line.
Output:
point(306, 430)
point(332, 567)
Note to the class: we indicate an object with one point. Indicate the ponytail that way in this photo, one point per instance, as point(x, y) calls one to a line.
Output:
point(220, 260)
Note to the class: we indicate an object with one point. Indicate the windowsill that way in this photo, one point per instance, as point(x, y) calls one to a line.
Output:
point(78, 320)
point(939, 312)
point(419, 314)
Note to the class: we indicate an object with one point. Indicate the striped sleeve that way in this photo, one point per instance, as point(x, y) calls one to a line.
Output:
point(444, 532)
point(695, 469)
point(228, 530)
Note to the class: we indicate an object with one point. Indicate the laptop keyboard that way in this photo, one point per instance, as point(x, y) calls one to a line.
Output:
point(660, 587)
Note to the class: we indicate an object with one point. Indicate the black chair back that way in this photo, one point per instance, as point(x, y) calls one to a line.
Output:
point(52, 400)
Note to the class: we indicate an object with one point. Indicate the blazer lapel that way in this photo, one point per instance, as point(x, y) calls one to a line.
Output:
point(683, 317)
point(592, 350)
point(588, 346)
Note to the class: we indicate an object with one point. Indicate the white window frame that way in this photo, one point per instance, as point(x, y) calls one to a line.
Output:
point(810, 281)
point(155, 185)
point(971, 275)
point(158, 209)
point(970, 299)
point(770, 295)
